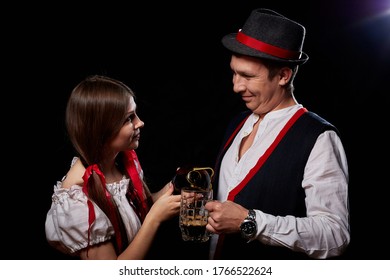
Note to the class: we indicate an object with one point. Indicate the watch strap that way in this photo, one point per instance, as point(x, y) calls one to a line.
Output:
point(251, 215)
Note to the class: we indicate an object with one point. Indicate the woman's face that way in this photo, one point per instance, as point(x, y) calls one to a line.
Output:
point(129, 135)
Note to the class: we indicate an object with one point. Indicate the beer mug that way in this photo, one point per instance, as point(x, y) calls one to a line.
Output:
point(193, 215)
point(194, 185)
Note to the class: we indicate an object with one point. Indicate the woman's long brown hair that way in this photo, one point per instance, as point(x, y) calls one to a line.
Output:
point(95, 113)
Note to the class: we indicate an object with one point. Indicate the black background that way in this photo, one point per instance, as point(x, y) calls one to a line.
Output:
point(172, 57)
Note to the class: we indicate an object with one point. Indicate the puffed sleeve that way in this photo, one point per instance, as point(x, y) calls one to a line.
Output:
point(66, 223)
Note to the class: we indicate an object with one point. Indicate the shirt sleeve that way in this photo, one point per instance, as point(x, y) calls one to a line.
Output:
point(325, 232)
point(66, 223)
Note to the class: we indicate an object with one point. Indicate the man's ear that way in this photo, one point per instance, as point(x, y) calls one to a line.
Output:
point(285, 74)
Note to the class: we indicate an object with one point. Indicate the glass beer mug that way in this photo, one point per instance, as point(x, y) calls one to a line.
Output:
point(194, 185)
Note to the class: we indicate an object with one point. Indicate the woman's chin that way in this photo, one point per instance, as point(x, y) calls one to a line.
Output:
point(134, 145)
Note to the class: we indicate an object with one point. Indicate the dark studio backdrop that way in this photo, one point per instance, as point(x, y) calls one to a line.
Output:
point(172, 57)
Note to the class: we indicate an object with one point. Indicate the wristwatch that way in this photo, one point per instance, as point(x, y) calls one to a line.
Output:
point(249, 226)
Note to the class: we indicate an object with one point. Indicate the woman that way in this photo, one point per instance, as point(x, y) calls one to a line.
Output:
point(106, 211)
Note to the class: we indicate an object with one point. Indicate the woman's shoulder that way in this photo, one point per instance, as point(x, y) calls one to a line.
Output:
point(74, 175)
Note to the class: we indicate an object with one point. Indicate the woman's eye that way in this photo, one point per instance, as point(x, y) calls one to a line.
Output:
point(130, 118)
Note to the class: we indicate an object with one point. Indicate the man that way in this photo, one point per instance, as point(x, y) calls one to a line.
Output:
point(281, 181)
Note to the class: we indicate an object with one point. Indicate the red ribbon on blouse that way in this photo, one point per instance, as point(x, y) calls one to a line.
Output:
point(131, 162)
point(134, 170)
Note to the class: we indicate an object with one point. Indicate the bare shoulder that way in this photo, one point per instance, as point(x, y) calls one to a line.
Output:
point(74, 175)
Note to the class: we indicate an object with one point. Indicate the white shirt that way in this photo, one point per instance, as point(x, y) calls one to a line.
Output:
point(325, 231)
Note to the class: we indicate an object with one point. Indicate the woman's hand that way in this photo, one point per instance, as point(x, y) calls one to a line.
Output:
point(157, 195)
point(166, 205)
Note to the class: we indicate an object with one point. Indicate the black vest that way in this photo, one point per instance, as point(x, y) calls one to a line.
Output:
point(276, 188)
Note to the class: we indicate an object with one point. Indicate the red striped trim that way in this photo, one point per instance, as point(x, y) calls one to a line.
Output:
point(263, 158)
point(235, 132)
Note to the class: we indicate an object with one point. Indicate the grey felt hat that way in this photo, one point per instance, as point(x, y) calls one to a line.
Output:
point(270, 35)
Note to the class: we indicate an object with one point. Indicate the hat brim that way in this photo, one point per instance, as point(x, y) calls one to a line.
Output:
point(229, 41)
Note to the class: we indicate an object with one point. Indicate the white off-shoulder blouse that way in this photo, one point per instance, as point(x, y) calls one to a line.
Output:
point(66, 223)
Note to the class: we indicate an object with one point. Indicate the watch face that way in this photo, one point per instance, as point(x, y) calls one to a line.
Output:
point(248, 228)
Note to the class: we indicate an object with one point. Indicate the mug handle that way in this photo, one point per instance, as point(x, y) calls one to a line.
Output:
point(208, 169)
